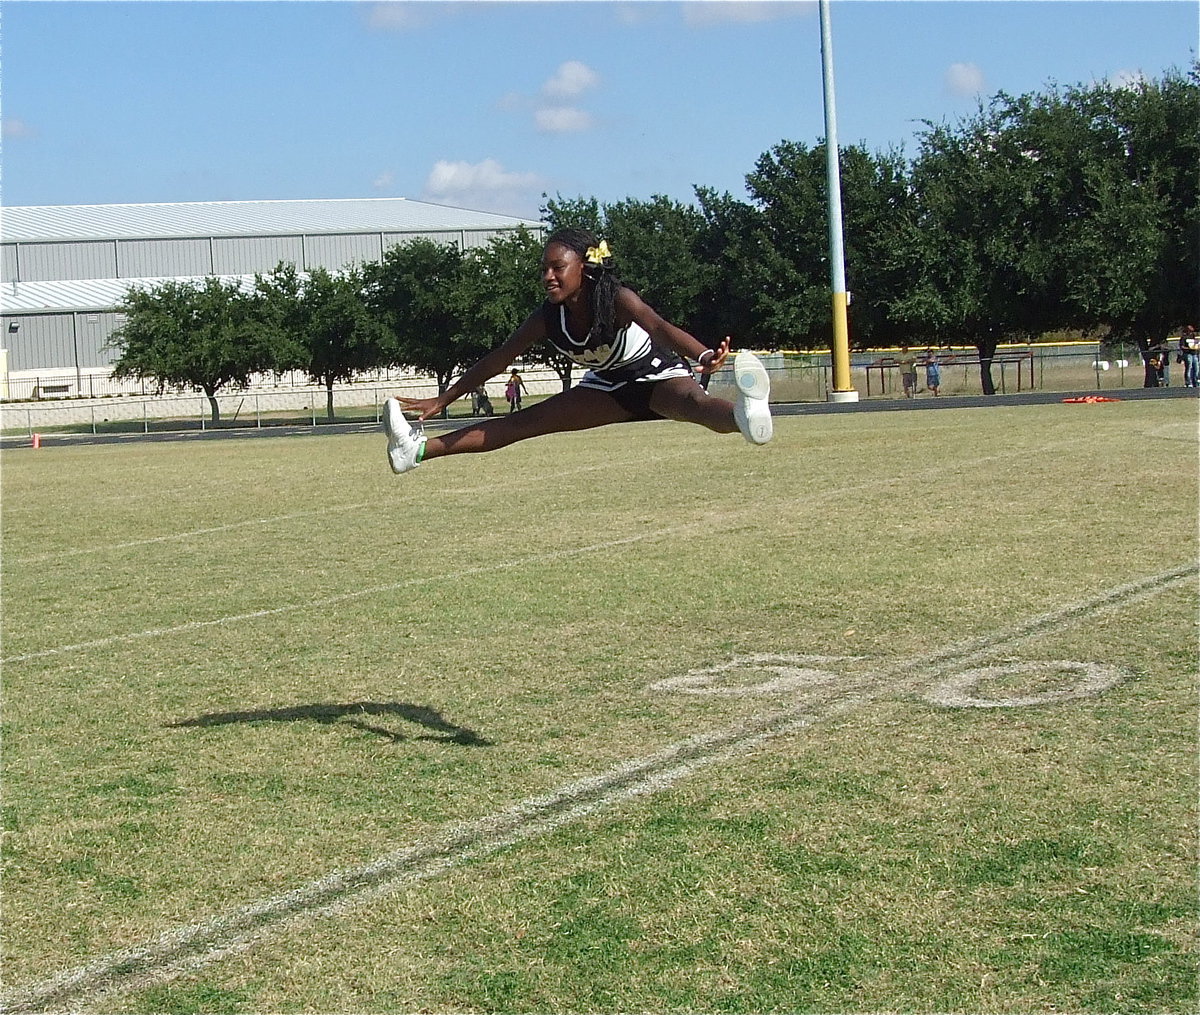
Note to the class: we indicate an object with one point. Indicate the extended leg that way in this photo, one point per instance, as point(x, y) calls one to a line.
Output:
point(683, 399)
point(576, 409)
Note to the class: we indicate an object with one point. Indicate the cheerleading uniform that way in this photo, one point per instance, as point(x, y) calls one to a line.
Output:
point(627, 367)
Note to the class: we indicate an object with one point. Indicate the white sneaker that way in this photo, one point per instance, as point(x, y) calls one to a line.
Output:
point(405, 446)
point(751, 409)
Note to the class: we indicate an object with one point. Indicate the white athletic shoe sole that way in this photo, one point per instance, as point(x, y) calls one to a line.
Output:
point(751, 409)
point(404, 446)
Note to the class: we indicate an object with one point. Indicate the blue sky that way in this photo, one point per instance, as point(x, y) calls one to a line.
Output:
point(489, 105)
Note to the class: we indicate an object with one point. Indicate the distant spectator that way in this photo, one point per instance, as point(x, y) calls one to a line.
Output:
point(1160, 357)
point(933, 371)
point(1189, 356)
point(512, 391)
point(908, 371)
point(482, 404)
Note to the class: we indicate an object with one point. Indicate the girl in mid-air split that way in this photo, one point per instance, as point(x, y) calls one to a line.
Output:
point(636, 367)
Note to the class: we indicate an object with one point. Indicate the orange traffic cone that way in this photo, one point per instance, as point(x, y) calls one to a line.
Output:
point(37, 440)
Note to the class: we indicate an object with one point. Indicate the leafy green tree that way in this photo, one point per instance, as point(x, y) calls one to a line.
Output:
point(658, 247)
point(730, 241)
point(324, 324)
point(412, 289)
point(1071, 208)
point(573, 212)
point(789, 242)
point(499, 287)
point(1128, 250)
point(210, 335)
point(976, 242)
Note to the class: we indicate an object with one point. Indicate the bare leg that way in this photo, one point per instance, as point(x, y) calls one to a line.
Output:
point(576, 409)
point(682, 399)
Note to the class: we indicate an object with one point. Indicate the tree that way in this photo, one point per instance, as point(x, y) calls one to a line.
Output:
point(789, 242)
point(208, 335)
point(658, 248)
point(1072, 208)
point(574, 212)
point(1128, 251)
point(977, 240)
point(412, 290)
point(733, 233)
point(499, 287)
point(325, 327)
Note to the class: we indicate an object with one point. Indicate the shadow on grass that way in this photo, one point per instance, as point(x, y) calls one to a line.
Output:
point(354, 714)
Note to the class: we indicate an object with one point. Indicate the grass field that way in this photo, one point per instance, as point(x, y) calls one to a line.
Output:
point(896, 713)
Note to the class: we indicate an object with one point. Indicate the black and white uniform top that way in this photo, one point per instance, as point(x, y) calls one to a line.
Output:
point(630, 358)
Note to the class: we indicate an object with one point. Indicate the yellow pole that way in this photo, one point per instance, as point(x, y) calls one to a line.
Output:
point(841, 348)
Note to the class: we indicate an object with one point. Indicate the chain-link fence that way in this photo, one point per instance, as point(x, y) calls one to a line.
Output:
point(795, 377)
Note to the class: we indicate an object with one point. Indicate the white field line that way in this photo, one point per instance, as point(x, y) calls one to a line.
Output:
point(342, 597)
point(42, 558)
point(703, 523)
point(533, 480)
point(189, 948)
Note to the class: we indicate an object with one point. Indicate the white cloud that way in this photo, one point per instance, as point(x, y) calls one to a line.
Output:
point(631, 13)
point(485, 186)
point(963, 79)
point(383, 181)
point(1126, 78)
point(15, 127)
point(703, 13)
point(562, 119)
point(571, 79)
point(390, 16)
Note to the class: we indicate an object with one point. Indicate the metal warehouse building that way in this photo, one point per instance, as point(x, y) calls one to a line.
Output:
point(65, 268)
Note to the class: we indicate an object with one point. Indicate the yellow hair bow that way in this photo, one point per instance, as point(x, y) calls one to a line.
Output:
point(600, 254)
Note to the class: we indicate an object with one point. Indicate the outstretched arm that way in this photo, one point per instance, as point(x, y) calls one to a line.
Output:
point(496, 361)
point(663, 332)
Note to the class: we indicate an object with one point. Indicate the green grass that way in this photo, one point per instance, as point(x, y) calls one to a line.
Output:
point(234, 667)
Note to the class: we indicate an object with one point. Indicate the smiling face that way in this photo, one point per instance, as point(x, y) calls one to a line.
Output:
point(562, 273)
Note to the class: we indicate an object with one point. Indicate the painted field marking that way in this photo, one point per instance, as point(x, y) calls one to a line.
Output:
point(170, 537)
point(186, 949)
point(703, 523)
point(345, 597)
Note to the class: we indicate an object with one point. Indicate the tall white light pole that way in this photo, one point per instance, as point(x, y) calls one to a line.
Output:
point(843, 390)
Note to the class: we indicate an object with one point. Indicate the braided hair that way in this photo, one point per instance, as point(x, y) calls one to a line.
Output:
point(600, 272)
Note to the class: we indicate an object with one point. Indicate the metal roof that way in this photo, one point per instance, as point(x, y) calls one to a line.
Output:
point(87, 295)
point(41, 223)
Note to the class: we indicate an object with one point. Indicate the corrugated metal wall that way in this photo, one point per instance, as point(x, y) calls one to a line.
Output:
point(163, 258)
point(59, 338)
point(183, 258)
point(47, 341)
point(51, 341)
point(57, 262)
point(334, 252)
point(244, 255)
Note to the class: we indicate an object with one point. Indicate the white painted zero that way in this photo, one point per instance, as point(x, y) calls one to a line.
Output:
point(791, 673)
point(957, 691)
